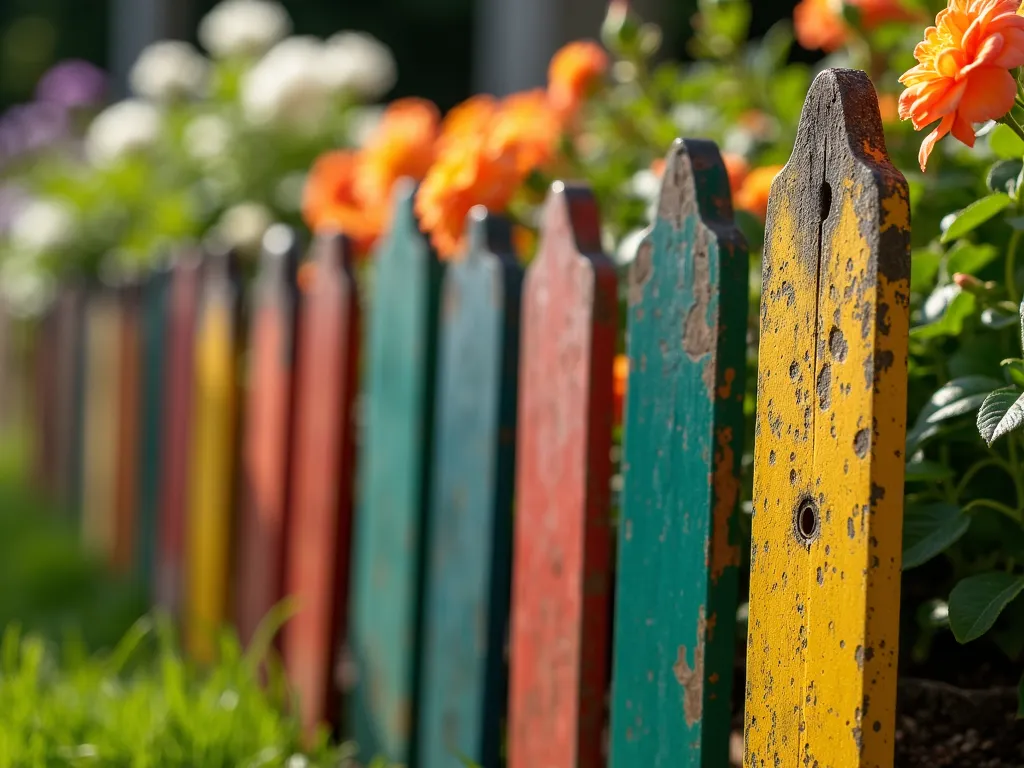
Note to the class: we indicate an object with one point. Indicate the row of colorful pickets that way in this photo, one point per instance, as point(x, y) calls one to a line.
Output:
point(427, 474)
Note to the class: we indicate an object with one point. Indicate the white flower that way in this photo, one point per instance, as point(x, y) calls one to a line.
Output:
point(645, 185)
point(24, 287)
point(243, 27)
point(287, 88)
point(359, 63)
point(629, 247)
point(207, 137)
point(42, 226)
point(242, 227)
point(122, 128)
point(169, 70)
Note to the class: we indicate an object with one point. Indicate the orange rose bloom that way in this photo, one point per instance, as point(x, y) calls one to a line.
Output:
point(619, 384)
point(470, 118)
point(465, 175)
point(820, 23)
point(737, 168)
point(752, 196)
point(526, 127)
point(963, 73)
point(574, 71)
point(330, 202)
point(402, 145)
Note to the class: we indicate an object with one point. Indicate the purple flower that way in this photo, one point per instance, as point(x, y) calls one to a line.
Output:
point(73, 83)
point(30, 127)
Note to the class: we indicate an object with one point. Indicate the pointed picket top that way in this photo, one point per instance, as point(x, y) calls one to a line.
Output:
point(831, 427)
point(279, 257)
point(487, 234)
point(570, 217)
point(334, 251)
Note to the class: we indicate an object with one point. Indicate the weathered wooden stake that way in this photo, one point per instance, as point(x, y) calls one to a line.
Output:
point(101, 417)
point(153, 318)
point(266, 448)
point(213, 459)
point(561, 588)
point(678, 550)
point(319, 532)
point(176, 431)
point(828, 474)
point(468, 556)
point(395, 489)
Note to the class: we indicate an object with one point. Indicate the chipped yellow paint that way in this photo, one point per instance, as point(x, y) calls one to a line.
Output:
point(100, 423)
point(824, 609)
point(212, 473)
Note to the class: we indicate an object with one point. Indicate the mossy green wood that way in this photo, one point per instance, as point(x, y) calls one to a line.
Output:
point(394, 480)
point(469, 550)
point(678, 543)
point(153, 317)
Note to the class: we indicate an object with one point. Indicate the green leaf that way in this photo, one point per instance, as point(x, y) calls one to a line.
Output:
point(929, 530)
point(924, 265)
point(1013, 369)
point(969, 258)
point(1022, 326)
point(924, 470)
point(976, 602)
point(1002, 412)
point(956, 397)
point(1005, 143)
point(976, 214)
point(944, 313)
point(997, 319)
point(1002, 176)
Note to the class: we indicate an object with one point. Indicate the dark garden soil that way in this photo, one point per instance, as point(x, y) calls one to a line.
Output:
point(958, 710)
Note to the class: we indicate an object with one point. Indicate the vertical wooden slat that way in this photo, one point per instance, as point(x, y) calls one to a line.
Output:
point(212, 459)
point(100, 420)
point(127, 428)
point(678, 552)
point(266, 447)
point(469, 550)
point(153, 317)
point(66, 354)
point(176, 431)
point(319, 532)
point(43, 398)
point(394, 482)
point(560, 621)
point(828, 466)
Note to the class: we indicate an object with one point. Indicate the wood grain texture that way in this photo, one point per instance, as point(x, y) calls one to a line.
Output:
point(128, 427)
point(319, 532)
point(153, 319)
point(266, 446)
point(213, 457)
point(468, 555)
point(100, 420)
point(828, 475)
point(178, 417)
point(561, 588)
point(678, 551)
point(395, 490)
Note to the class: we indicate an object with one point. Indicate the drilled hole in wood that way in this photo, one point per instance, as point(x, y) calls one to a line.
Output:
point(826, 200)
point(807, 520)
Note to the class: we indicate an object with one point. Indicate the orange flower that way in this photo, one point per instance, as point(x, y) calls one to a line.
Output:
point(466, 174)
point(737, 168)
point(963, 75)
point(402, 145)
point(330, 202)
point(619, 384)
point(658, 166)
point(574, 72)
point(820, 23)
point(526, 127)
point(752, 196)
point(470, 118)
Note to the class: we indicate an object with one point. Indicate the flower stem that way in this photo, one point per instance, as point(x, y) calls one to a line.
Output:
point(1011, 266)
point(1013, 514)
point(1011, 122)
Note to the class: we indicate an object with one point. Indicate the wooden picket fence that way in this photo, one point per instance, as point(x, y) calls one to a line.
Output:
point(455, 574)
